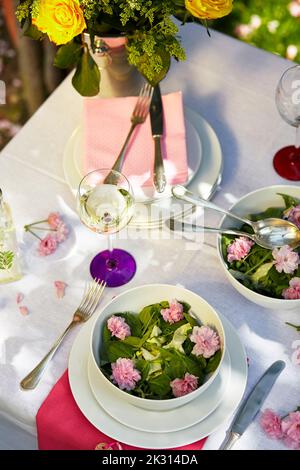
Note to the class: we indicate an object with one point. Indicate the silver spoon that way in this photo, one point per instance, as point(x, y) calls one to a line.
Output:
point(176, 225)
point(269, 233)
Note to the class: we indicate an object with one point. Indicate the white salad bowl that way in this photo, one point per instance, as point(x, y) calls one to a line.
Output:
point(253, 203)
point(134, 300)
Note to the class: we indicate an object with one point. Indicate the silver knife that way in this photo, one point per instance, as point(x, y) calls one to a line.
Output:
point(156, 117)
point(252, 404)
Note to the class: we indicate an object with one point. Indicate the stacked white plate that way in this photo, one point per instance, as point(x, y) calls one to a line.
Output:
point(158, 430)
point(152, 209)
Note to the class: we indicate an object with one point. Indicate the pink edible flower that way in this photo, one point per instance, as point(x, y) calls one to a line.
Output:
point(286, 259)
point(124, 374)
point(271, 424)
point(118, 327)
point(54, 219)
point(61, 233)
point(19, 297)
point(238, 249)
point(47, 245)
point(23, 310)
point(206, 340)
point(174, 313)
point(291, 430)
point(292, 292)
point(60, 287)
point(293, 214)
point(181, 387)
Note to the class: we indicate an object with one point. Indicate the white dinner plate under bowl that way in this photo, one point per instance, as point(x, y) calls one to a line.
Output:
point(155, 421)
point(82, 393)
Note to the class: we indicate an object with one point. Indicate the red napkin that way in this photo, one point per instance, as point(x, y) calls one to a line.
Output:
point(62, 426)
point(106, 125)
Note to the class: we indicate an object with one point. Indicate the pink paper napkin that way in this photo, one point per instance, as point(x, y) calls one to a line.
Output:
point(62, 426)
point(106, 124)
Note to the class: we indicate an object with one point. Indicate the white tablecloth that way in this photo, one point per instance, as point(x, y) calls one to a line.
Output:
point(232, 85)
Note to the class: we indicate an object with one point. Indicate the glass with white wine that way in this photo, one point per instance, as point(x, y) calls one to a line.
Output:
point(107, 208)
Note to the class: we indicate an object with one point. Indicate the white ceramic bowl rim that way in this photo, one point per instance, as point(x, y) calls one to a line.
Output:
point(281, 188)
point(168, 400)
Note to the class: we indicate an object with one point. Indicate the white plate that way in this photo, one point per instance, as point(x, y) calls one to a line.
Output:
point(74, 152)
point(101, 420)
point(167, 421)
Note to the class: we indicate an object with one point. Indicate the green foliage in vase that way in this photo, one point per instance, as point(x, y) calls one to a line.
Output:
point(149, 26)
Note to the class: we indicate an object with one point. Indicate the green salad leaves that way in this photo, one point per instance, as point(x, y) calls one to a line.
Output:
point(161, 351)
point(257, 270)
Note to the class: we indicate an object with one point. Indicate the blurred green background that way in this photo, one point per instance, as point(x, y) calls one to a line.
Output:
point(26, 66)
point(273, 25)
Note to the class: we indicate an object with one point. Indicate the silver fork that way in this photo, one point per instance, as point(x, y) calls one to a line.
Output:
point(138, 116)
point(88, 305)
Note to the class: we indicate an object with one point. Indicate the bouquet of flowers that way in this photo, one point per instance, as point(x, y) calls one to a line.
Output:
point(148, 26)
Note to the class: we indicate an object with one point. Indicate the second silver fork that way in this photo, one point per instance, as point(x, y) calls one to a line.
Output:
point(85, 310)
point(138, 116)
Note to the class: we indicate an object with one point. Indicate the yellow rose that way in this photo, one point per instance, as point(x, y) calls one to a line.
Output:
point(60, 19)
point(209, 9)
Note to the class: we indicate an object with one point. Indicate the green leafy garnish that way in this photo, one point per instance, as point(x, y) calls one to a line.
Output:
point(256, 271)
point(159, 350)
point(116, 349)
point(160, 385)
point(213, 363)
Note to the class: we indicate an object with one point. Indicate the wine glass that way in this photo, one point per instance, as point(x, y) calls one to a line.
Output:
point(287, 160)
point(107, 208)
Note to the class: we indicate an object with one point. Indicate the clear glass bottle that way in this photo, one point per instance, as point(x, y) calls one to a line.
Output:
point(10, 269)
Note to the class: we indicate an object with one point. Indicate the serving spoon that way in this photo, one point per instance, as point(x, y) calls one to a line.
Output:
point(269, 233)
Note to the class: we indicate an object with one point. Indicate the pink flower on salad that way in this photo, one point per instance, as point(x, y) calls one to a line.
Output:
point(291, 430)
point(174, 313)
point(293, 291)
point(61, 233)
point(286, 260)
point(54, 219)
point(118, 327)
point(181, 387)
point(124, 374)
point(293, 214)
point(60, 287)
point(47, 245)
point(207, 341)
point(238, 249)
point(271, 424)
